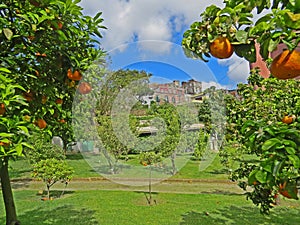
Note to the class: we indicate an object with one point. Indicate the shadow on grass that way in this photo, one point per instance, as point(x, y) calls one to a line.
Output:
point(220, 171)
point(55, 193)
point(20, 184)
point(234, 215)
point(66, 214)
point(74, 156)
point(221, 192)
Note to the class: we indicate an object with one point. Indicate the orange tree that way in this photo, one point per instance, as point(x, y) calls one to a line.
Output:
point(40, 42)
point(255, 120)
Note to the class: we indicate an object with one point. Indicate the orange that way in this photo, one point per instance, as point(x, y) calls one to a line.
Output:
point(44, 99)
point(221, 48)
point(144, 163)
point(84, 88)
point(4, 144)
point(41, 123)
point(286, 65)
point(62, 121)
point(74, 76)
point(287, 119)
point(28, 96)
point(2, 109)
point(31, 38)
point(59, 101)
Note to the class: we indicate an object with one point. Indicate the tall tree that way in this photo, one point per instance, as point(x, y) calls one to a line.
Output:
point(45, 47)
point(256, 120)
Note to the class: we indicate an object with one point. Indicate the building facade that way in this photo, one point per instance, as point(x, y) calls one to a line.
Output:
point(174, 92)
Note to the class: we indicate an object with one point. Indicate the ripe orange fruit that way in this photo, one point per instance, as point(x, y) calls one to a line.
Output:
point(59, 101)
point(31, 38)
point(2, 109)
point(59, 25)
point(44, 99)
point(42, 55)
point(77, 75)
point(4, 144)
point(144, 164)
point(62, 121)
point(221, 48)
point(287, 119)
point(84, 88)
point(74, 76)
point(286, 65)
point(28, 96)
point(41, 123)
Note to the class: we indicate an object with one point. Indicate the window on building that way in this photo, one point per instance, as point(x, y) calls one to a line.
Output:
point(157, 98)
point(173, 100)
point(166, 98)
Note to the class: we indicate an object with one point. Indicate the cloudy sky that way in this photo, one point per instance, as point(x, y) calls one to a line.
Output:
point(146, 35)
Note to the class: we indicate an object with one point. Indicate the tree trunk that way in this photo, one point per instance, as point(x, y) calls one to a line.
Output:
point(173, 156)
point(10, 209)
point(48, 192)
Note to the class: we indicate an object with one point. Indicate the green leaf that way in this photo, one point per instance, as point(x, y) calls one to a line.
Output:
point(295, 160)
point(267, 145)
point(292, 20)
point(19, 149)
point(267, 165)
point(252, 177)
point(242, 36)
point(277, 167)
point(6, 135)
point(24, 129)
point(261, 176)
point(290, 150)
point(2, 69)
point(8, 33)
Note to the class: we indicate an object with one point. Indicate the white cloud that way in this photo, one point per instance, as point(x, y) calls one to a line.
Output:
point(138, 20)
point(238, 68)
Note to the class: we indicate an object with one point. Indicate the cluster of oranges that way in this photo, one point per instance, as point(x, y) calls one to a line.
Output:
point(83, 87)
point(286, 65)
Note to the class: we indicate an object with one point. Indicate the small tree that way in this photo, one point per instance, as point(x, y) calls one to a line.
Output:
point(148, 159)
point(201, 144)
point(51, 171)
point(43, 149)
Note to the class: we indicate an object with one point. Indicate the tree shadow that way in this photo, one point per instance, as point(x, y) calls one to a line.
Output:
point(19, 173)
point(234, 215)
point(74, 156)
point(20, 183)
point(221, 192)
point(219, 171)
point(66, 214)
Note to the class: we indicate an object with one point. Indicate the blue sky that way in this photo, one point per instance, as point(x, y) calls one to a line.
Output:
point(146, 35)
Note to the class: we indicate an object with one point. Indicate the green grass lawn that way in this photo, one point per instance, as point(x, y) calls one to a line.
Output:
point(107, 203)
point(130, 208)
point(191, 170)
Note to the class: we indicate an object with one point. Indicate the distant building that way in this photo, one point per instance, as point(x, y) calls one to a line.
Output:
point(169, 92)
point(192, 87)
point(174, 92)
